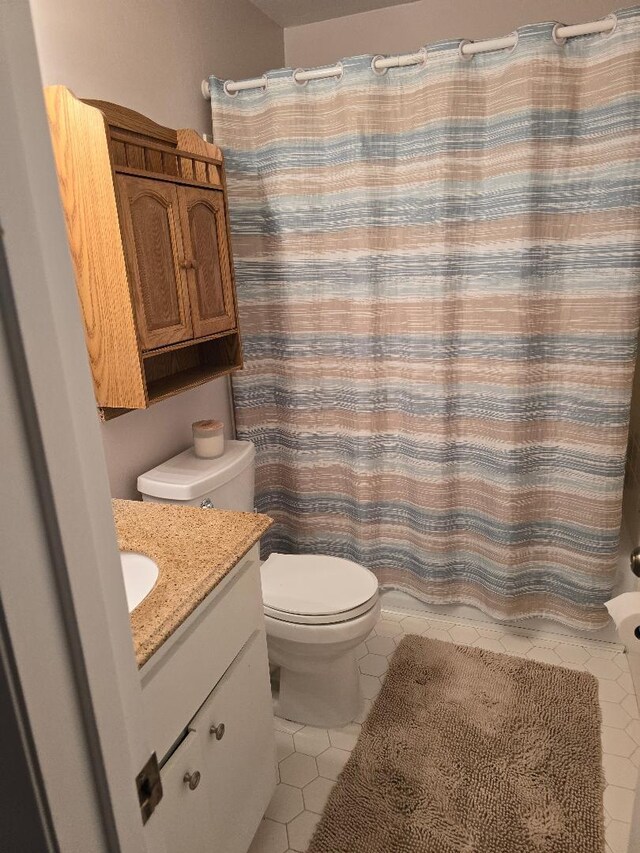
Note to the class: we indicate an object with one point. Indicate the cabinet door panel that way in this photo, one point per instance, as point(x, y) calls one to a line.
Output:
point(240, 765)
point(155, 256)
point(180, 676)
point(185, 812)
point(205, 234)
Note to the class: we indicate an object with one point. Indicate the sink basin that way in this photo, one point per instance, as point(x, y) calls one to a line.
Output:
point(140, 574)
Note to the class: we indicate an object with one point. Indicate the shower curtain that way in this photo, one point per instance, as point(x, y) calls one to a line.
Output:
point(438, 280)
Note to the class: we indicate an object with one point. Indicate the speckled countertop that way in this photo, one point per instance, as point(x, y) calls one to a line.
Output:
point(194, 549)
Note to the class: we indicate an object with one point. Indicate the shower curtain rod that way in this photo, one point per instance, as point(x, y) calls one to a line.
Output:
point(380, 64)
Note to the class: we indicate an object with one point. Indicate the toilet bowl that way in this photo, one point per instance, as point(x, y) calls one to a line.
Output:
point(318, 609)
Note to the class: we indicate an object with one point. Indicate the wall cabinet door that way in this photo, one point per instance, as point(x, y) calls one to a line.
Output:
point(235, 728)
point(156, 260)
point(184, 808)
point(204, 232)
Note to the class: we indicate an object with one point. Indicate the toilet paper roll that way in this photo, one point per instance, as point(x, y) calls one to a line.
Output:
point(625, 612)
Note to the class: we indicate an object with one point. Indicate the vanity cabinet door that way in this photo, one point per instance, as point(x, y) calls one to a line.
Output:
point(184, 807)
point(155, 257)
point(235, 727)
point(204, 231)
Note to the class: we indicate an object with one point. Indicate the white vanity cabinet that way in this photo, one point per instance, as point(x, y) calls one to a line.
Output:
point(208, 700)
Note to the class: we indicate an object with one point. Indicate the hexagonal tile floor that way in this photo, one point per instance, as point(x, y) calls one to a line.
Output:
point(310, 759)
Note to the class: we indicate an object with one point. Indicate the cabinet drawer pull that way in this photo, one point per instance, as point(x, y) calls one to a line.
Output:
point(192, 779)
point(218, 731)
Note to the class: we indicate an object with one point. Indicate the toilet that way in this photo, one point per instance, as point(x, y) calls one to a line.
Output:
point(317, 609)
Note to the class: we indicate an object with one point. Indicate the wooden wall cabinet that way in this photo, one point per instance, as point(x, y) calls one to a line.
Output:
point(147, 222)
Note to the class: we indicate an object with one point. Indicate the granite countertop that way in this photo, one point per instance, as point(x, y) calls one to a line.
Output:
point(194, 550)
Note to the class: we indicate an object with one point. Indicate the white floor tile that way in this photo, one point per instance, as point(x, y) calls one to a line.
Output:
point(373, 665)
point(614, 715)
point(387, 628)
point(625, 682)
point(316, 794)
point(490, 644)
point(301, 829)
point(515, 644)
point(284, 744)
point(617, 742)
point(602, 651)
point(311, 741)
point(346, 737)
point(285, 804)
point(620, 771)
point(603, 668)
point(310, 758)
point(437, 633)
point(298, 769)
point(463, 634)
point(618, 803)
point(630, 705)
point(414, 625)
point(271, 837)
point(543, 655)
point(617, 836)
point(572, 654)
point(381, 646)
point(633, 729)
point(331, 762)
point(621, 661)
point(611, 691)
point(394, 616)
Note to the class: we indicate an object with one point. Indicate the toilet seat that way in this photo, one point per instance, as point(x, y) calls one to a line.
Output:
point(314, 589)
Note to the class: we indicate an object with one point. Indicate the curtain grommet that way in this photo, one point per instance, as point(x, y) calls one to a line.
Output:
point(379, 71)
point(225, 88)
point(463, 55)
point(295, 79)
point(559, 40)
point(612, 17)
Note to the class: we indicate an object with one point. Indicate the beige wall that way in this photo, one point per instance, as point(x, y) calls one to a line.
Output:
point(151, 55)
point(402, 29)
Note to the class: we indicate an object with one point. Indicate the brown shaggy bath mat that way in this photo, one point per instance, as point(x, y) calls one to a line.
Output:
point(468, 751)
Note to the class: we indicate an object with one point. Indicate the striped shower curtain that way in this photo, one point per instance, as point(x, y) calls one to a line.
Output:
point(438, 279)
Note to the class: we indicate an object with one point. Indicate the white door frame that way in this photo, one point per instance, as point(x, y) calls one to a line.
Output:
point(66, 653)
point(67, 634)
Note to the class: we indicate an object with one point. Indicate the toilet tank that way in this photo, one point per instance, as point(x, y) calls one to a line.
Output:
point(227, 481)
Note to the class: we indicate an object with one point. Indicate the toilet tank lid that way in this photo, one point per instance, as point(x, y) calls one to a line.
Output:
point(185, 476)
